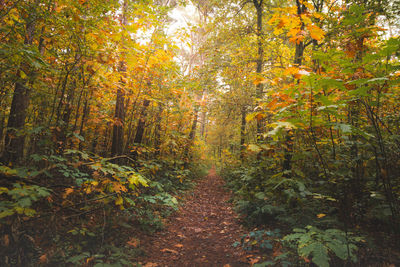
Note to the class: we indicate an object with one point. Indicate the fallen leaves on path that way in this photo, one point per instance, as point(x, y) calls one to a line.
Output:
point(201, 233)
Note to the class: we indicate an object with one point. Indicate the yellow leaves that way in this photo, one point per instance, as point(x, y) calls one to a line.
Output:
point(321, 215)
point(137, 179)
point(295, 25)
point(255, 115)
point(316, 32)
point(22, 74)
point(291, 71)
point(119, 201)
point(254, 148)
point(318, 15)
point(12, 17)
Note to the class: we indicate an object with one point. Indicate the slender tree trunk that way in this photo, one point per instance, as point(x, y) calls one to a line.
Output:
point(191, 137)
point(140, 127)
point(298, 59)
point(157, 131)
point(260, 62)
point(242, 133)
point(119, 117)
point(15, 137)
point(118, 128)
point(203, 123)
point(142, 122)
point(85, 115)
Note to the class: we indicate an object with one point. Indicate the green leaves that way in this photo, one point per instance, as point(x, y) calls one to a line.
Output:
point(22, 197)
point(321, 244)
point(137, 179)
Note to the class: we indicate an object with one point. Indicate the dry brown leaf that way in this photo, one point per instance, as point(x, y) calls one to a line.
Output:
point(43, 258)
point(67, 192)
point(133, 242)
point(169, 250)
point(6, 240)
point(179, 245)
point(150, 264)
point(254, 260)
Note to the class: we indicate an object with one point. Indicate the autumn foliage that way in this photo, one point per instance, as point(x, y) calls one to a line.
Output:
point(105, 117)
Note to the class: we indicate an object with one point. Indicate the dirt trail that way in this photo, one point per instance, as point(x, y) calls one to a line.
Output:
point(201, 233)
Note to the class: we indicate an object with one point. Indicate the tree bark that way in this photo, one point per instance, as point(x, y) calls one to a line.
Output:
point(119, 117)
point(142, 122)
point(260, 61)
point(15, 137)
point(242, 133)
point(298, 59)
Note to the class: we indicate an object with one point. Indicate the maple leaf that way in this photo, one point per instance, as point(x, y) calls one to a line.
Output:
point(316, 32)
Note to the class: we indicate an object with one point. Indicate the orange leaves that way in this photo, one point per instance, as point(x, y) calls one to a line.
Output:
point(118, 187)
point(67, 192)
point(133, 242)
point(316, 32)
point(296, 35)
point(291, 71)
point(296, 72)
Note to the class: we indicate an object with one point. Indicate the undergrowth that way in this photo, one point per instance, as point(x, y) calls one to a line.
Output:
point(295, 221)
point(90, 210)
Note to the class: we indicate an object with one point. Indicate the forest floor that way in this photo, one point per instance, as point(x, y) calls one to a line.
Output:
point(201, 233)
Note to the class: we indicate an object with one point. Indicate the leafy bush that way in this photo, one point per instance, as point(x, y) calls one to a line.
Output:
point(321, 245)
point(20, 199)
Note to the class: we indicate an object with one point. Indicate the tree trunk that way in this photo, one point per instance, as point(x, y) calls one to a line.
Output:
point(118, 128)
point(260, 62)
point(142, 122)
point(119, 117)
point(298, 59)
point(15, 137)
point(243, 133)
point(191, 137)
point(157, 131)
point(141, 126)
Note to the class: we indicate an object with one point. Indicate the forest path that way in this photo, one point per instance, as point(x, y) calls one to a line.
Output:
point(201, 233)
